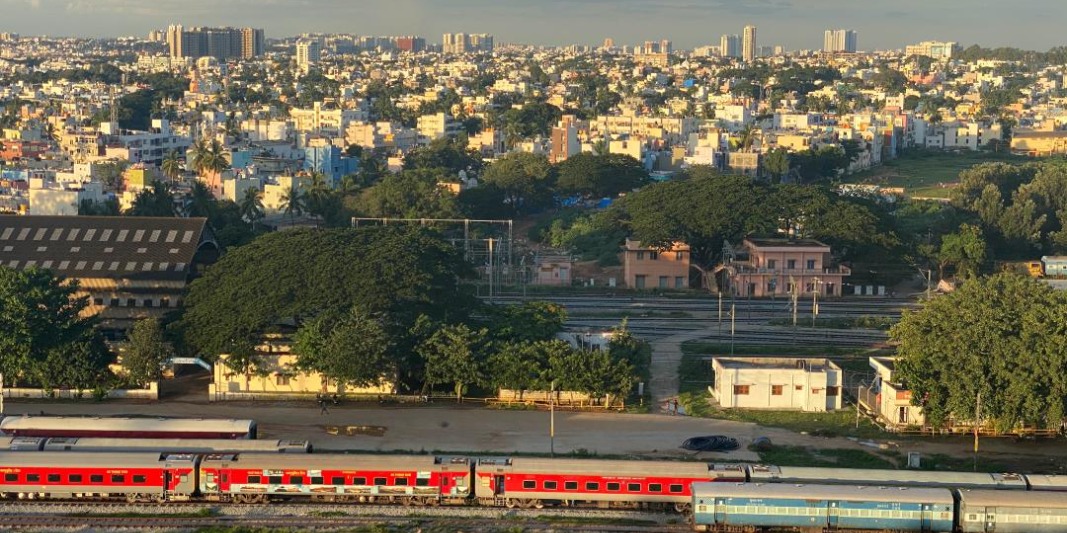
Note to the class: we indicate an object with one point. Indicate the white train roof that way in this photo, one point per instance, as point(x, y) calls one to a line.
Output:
point(890, 477)
point(76, 423)
point(335, 462)
point(613, 468)
point(171, 445)
point(1047, 481)
point(1000, 498)
point(83, 460)
point(823, 492)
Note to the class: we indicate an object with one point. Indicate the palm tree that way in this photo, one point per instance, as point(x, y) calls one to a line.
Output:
point(252, 205)
point(293, 203)
point(200, 202)
point(201, 152)
point(217, 162)
point(172, 166)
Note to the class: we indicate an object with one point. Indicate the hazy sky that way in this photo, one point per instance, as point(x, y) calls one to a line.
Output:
point(794, 23)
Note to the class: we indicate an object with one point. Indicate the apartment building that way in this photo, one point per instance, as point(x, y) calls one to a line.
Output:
point(769, 267)
point(647, 267)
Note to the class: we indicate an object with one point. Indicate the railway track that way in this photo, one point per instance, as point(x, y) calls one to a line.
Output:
point(322, 516)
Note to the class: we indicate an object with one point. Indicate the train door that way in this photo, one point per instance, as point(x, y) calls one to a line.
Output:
point(498, 485)
point(832, 515)
point(990, 520)
point(721, 518)
point(166, 483)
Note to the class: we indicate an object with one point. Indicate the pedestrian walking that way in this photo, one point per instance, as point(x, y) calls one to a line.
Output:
point(323, 409)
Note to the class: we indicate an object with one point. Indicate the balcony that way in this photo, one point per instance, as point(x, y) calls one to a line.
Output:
point(840, 270)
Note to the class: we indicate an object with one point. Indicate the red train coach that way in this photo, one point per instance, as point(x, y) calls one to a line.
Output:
point(411, 480)
point(523, 482)
point(135, 477)
point(130, 428)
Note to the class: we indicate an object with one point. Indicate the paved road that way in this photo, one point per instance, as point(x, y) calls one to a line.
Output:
point(666, 356)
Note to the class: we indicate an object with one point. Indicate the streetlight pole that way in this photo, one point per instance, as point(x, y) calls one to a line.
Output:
point(552, 420)
point(928, 274)
point(814, 300)
point(733, 316)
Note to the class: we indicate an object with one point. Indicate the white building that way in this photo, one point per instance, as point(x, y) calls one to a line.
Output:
point(748, 44)
point(62, 200)
point(325, 118)
point(308, 53)
point(935, 49)
point(839, 41)
point(812, 385)
point(888, 399)
point(437, 126)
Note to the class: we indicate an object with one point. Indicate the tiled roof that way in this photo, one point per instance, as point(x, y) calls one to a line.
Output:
point(103, 247)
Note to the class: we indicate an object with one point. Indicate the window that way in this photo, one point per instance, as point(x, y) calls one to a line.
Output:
point(655, 487)
point(791, 264)
point(652, 256)
point(254, 480)
point(663, 282)
point(140, 479)
point(118, 478)
point(422, 482)
point(776, 390)
point(76, 478)
point(98, 301)
point(816, 390)
point(11, 477)
point(148, 303)
point(296, 480)
point(675, 488)
point(772, 263)
point(811, 264)
point(592, 486)
point(833, 391)
point(131, 302)
point(379, 481)
point(282, 379)
point(633, 487)
point(340, 480)
point(550, 485)
point(570, 485)
point(114, 302)
point(640, 256)
point(740, 390)
point(164, 302)
point(639, 281)
point(400, 482)
point(529, 484)
point(54, 478)
point(679, 282)
point(680, 256)
point(614, 486)
point(33, 478)
point(274, 480)
point(800, 387)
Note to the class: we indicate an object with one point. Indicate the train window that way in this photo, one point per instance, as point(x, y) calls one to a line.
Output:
point(400, 482)
point(341, 481)
point(96, 478)
point(550, 485)
point(33, 478)
point(614, 486)
point(274, 480)
point(316, 480)
point(655, 487)
point(254, 480)
point(296, 480)
point(570, 485)
point(529, 484)
point(118, 478)
point(379, 481)
point(633, 487)
point(422, 482)
point(75, 478)
point(592, 485)
point(11, 477)
point(675, 488)
point(53, 478)
point(140, 479)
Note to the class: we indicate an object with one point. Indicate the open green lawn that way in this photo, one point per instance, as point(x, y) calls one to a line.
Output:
point(927, 173)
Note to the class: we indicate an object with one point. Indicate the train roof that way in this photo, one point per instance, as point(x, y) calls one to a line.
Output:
point(999, 498)
point(173, 445)
point(615, 468)
point(97, 423)
point(887, 477)
point(1047, 481)
point(342, 461)
point(21, 443)
point(96, 459)
point(823, 492)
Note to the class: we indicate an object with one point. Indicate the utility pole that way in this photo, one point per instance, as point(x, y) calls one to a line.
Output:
point(720, 313)
point(552, 421)
point(733, 315)
point(977, 423)
point(490, 270)
point(928, 274)
point(814, 300)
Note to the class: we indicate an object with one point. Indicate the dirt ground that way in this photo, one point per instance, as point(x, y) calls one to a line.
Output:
point(445, 427)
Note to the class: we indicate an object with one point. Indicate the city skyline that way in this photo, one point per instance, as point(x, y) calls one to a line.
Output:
point(795, 24)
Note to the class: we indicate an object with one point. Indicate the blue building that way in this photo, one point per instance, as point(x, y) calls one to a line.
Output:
point(327, 160)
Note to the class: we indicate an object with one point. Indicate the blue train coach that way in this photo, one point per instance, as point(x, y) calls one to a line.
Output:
point(719, 506)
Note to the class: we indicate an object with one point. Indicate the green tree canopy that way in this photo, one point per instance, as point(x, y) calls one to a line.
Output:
point(350, 348)
point(146, 351)
point(454, 354)
point(600, 175)
point(447, 153)
point(1001, 337)
point(410, 194)
point(526, 179)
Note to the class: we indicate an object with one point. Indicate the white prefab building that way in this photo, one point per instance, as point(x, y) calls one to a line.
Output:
point(781, 383)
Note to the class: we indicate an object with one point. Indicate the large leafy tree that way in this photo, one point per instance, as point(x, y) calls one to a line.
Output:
point(40, 325)
point(447, 153)
point(526, 179)
point(350, 348)
point(1000, 338)
point(399, 273)
point(146, 351)
point(600, 175)
point(454, 354)
point(410, 194)
point(155, 201)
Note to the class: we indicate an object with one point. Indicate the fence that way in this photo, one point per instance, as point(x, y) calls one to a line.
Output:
point(151, 393)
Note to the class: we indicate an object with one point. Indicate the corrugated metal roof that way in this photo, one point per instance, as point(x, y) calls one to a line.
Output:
point(102, 247)
point(823, 492)
point(999, 498)
point(77, 423)
point(838, 476)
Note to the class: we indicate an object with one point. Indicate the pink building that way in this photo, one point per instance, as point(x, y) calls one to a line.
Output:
point(553, 270)
point(647, 267)
point(771, 263)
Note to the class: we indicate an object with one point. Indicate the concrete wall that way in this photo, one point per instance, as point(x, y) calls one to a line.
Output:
point(151, 393)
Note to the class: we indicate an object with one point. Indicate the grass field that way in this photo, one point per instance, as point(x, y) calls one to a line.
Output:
point(927, 173)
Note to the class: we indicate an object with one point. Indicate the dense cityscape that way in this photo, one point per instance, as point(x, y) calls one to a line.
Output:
point(633, 286)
